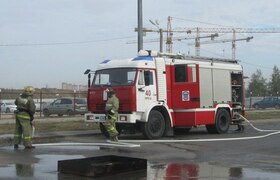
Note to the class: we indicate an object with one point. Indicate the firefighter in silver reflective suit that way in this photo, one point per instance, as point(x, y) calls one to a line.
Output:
point(112, 106)
point(24, 118)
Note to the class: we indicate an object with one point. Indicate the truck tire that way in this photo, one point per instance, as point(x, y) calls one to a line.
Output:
point(70, 112)
point(256, 106)
point(222, 123)
point(46, 112)
point(155, 127)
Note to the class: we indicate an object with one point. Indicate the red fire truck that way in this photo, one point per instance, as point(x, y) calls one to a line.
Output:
point(163, 93)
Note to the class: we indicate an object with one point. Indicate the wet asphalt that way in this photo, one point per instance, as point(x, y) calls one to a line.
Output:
point(238, 159)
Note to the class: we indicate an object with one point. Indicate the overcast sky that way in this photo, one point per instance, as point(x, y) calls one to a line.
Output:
point(46, 42)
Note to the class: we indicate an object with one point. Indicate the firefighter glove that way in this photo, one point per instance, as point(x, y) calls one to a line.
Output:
point(111, 112)
point(31, 118)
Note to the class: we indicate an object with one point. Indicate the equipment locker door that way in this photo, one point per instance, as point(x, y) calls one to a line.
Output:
point(185, 86)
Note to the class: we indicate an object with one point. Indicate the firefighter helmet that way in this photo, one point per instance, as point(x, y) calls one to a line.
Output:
point(29, 90)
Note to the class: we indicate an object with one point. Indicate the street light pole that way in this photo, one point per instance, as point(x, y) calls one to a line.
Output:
point(161, 40)
point(140, 26)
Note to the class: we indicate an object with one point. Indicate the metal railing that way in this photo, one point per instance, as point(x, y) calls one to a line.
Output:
point(40, 98)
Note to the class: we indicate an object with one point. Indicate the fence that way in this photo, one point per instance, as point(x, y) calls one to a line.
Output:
point(251, 100)
point(41, 98)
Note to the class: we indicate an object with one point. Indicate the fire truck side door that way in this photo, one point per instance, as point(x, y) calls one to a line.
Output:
point(145, 93)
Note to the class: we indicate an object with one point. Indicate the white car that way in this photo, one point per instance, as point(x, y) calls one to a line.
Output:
point(38, 108)
point(8, 107)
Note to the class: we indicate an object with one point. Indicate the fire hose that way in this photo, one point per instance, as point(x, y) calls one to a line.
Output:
point(127, 143)
point(271, 132)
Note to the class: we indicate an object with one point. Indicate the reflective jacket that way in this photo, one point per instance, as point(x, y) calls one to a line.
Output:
point(25, 107)
point(113, 104)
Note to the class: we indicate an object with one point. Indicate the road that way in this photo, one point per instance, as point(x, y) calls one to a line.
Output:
point(235, 159)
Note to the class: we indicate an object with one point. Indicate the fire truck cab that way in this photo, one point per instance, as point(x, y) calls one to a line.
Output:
point(163, 93)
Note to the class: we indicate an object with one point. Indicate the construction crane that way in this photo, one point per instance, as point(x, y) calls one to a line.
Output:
point(198, 30)
point(169, 40)
point(247, 39)
point(179, 38)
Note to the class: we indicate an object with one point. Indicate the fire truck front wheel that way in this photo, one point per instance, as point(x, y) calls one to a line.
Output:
point(222, 123)
point(155, 127)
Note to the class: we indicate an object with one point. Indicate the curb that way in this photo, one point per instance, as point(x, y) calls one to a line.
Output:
point(7, 139)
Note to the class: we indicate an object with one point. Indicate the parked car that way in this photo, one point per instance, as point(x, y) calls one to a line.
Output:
point(270, 102)
point(66, 106)
point(38, 108)
point(8, 107)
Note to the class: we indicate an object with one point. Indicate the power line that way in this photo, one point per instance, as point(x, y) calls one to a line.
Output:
point(191, 20)
point(211, 52)
point(256, 65)
point(66, 43)
point(243, 62)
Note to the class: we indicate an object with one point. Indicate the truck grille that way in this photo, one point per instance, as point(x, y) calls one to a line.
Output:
point(101, 107)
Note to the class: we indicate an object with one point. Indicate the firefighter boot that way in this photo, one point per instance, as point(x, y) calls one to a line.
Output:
point(240, 128)
point(114, 138)
point(30, 147)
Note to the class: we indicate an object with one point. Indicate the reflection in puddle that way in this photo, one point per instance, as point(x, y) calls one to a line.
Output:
point(205, 171)
point(46, 168)
point(25, 170)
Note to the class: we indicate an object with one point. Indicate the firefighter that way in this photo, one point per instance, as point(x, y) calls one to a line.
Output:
point(24, 118)
point(112, 106)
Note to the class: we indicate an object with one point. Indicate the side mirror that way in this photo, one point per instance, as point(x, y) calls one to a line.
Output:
point(87, 71)
point(147, 78)
point(89, 76)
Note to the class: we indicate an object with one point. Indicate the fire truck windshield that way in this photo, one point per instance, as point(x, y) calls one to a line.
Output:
point(114, 77)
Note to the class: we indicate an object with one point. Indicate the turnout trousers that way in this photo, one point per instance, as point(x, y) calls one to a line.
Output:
point(110, 125)
point(23, 131)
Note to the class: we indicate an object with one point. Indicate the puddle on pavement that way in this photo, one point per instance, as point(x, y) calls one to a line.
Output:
point(206, 171)
point(46, 168)
point(6, 135)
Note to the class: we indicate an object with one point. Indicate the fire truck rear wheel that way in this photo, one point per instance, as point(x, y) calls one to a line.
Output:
point(155, 127)
point(222, 122)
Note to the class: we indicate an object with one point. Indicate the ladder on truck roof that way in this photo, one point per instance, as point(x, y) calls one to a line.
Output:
point(196, 58)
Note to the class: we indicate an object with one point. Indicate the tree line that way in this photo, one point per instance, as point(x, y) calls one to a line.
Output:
point(259, 86)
